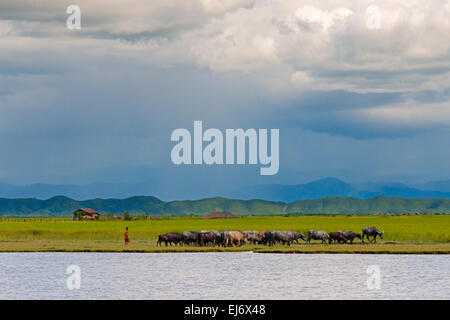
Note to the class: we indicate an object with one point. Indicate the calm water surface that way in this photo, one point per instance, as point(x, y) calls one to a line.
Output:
point(223, 276)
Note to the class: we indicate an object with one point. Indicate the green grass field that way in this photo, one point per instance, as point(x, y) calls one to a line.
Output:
point(403, 234)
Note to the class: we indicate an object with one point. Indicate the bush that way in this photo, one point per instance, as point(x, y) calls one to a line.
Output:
point(127, 216)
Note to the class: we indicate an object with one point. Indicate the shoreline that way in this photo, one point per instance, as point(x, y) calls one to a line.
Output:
point(252, 251)
point(145, 247)
point(218, 251)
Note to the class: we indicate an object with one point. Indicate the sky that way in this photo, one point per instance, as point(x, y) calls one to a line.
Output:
point(354, 96)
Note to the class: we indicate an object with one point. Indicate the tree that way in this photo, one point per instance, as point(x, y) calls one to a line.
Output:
point(127, 216)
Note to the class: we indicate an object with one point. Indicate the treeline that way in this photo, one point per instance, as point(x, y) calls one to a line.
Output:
point(63, 206)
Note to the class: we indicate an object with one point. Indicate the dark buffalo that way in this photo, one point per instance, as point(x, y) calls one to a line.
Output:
point(350, 235)
point(162, 238)
point(373, 232)
point(337, 237)
point(206, 237)
point(272, 237)
point(317, 235)
point(280, 236)
point(269, 238)
point(217, 235)
point(169, 238)
point(296, 235)
point(190, 237)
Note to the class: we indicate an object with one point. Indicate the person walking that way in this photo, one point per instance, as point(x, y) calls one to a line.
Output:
point(127, 239)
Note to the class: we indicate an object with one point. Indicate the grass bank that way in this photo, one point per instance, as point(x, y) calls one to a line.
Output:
point(403, 234)
point(150, 247)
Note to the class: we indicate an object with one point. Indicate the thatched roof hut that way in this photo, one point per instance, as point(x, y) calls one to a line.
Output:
point(86, 214)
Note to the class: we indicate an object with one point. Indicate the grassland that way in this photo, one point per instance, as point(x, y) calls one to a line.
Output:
point(403, 234)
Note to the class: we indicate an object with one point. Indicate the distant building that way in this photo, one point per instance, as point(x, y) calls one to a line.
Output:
point(86, 214)
point(216, 215)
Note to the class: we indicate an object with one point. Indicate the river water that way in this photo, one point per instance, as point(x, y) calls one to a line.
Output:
point(223, 276)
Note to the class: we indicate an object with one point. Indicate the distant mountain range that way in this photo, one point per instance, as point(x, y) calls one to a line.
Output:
point(80, 192)
point(328, 187)
point(63, 206)
point(332, 187)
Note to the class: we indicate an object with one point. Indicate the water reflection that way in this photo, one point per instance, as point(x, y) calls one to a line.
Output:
point(222, 276)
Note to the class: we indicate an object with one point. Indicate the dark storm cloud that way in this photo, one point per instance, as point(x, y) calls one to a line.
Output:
point(342, 113)
point(110, 94)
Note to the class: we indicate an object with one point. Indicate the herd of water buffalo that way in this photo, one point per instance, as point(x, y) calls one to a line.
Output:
point(238, 238)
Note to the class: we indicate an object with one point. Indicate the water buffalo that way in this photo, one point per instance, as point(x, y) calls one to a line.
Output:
point(371, 231)
point(284, 237)
point(296, 235)
point(223, 235)
point(171, 237)
point(217, 236)
point(261, 236)
point(254, 236)
point(233, 237)
point(206, 237)
point(317, 235)
point(337, 237)
point(287, 237)
point(350, 235)
point(268, 238)
point(190, 237)
point(162, 238)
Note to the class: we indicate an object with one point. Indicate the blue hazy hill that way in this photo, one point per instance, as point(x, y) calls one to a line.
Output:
point(332, 187)
point(328, 187)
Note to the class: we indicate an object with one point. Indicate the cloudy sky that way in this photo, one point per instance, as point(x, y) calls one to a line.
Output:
point(353, 97)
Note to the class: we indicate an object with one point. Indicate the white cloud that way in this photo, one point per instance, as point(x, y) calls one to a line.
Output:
point(332, 44)
point(312, 15)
